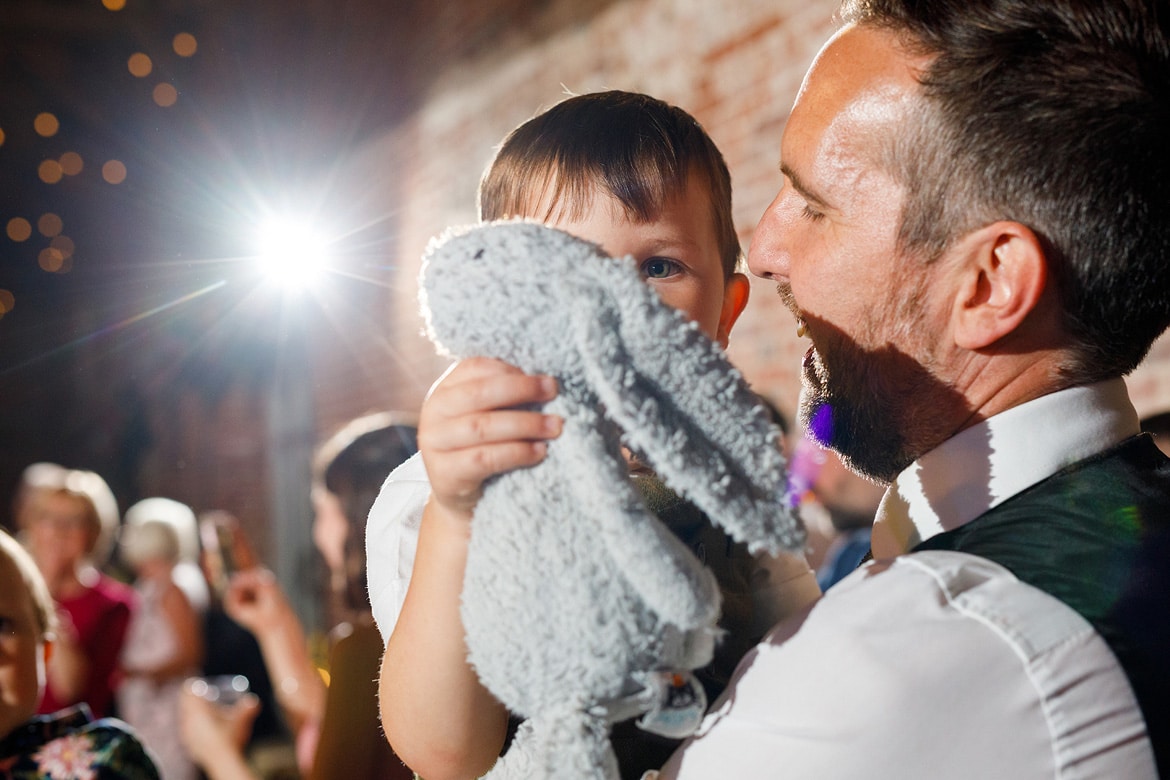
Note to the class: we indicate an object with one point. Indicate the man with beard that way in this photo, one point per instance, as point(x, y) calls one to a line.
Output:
point(973, 233)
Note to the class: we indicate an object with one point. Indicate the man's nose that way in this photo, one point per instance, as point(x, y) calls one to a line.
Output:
point(768, 253)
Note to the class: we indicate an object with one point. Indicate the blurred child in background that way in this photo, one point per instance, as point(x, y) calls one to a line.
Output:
point(164, 643)
point(65, 744)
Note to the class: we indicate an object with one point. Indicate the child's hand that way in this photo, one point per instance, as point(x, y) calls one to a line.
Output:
point(470, 429)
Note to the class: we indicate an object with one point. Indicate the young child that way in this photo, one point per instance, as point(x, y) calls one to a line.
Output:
point(65, 744)
point(164, 643)
point(638, 177)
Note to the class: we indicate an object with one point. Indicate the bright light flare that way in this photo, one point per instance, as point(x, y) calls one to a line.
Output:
point(291, 254)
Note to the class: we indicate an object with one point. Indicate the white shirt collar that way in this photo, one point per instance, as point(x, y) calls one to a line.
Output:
point(988, 463)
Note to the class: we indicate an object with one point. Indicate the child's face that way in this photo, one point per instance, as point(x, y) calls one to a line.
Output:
point(22, 650)
point(677, 252)
point(59, 536)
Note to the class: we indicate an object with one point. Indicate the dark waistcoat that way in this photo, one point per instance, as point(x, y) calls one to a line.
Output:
point(1096, 535)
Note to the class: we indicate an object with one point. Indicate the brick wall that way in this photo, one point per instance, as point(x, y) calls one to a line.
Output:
point(735, 64)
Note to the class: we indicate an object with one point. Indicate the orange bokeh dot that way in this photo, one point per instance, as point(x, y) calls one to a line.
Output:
point(64, 245)
point(50, 225)
point(114, 172)
point(114, 5)
point(71, 163)
point(1, 136)
point(50, 260)
point(7, 301)
point(185, 44)
point(50, 171)
point(19, 229)
point(46, 124)
point(139, 64)
point(165, 94)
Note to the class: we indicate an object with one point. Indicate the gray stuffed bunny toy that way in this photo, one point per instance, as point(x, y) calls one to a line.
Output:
point(575, 595)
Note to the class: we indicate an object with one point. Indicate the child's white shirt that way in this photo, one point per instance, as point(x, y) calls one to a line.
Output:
point(392, 539)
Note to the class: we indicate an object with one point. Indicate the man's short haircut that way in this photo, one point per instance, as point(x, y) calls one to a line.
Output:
point(635, 147)
point(1054, 114)
point(34, 583)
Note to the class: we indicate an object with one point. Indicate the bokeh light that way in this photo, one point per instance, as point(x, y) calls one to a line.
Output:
point(50, 171)
point(1, 136)
point(19, 229)
point(139, 65)
point(185, 44)
point(7, 302)
point(165, 94)
point(50, 225)
point(64, 245)
point(51, 260)
point(71, 163)
point(114, 172)
point(46, 124)
point(114, 5)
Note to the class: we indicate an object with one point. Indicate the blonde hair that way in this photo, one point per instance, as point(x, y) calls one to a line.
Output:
point(99, 507)
point(38, 592)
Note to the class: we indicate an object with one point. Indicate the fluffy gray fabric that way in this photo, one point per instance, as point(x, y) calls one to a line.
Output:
point(573, 590)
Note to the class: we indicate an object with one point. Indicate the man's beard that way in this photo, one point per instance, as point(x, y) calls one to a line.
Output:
point(869, 405)
point(851, 414)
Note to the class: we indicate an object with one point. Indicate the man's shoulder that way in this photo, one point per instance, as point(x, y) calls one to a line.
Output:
point(931, 645)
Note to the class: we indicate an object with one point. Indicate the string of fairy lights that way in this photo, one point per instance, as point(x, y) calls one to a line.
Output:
point(58, 251)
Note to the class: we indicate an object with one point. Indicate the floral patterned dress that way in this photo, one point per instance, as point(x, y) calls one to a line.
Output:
point(71, 745)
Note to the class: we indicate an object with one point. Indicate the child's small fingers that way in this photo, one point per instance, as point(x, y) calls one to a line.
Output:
point(464, 472)
point(487, 428)
point(483, 392)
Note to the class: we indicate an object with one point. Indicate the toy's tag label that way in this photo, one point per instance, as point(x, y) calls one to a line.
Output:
point(679, 705)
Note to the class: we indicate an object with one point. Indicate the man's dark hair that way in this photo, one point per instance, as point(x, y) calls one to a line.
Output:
point(1054, 114)
point(639, 149)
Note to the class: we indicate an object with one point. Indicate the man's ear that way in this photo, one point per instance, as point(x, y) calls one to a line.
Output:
point(735, 298)
point(1001, 283)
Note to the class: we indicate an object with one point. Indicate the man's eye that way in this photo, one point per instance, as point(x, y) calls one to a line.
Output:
point(659, 268)
point(812, 216)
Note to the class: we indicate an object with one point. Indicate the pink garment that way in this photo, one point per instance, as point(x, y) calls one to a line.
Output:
point(100, 615)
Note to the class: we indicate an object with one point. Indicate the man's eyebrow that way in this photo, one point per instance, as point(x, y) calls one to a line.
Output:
point(802, 188)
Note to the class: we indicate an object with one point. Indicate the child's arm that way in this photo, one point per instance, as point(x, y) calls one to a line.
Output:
point(441, 721)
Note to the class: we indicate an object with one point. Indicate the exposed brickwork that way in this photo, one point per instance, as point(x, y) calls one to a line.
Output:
point(735, 64)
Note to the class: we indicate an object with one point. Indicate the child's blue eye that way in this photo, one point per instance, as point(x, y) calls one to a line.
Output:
point(659, 268)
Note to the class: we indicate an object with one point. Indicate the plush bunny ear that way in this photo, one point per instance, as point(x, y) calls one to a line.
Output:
point(689, 412)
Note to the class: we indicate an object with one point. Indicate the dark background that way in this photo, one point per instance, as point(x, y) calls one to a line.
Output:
point(160, 292)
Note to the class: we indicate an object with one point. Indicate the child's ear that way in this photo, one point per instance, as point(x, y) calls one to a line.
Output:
point(735, 298)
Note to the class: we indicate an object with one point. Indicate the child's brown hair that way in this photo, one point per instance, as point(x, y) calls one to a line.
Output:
point(639, 149)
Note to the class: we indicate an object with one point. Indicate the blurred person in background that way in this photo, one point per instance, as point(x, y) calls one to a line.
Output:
point(338, 733)
point(232, 649)
point(164, 643)
point(1158, 425)
point(67, 519)
point(69, 743)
